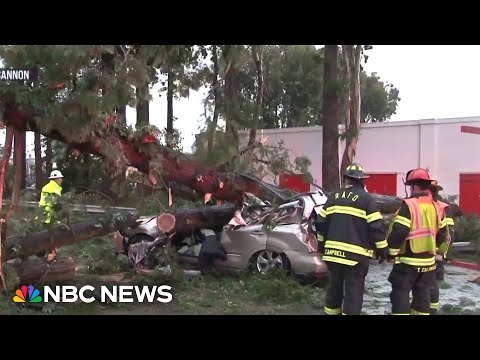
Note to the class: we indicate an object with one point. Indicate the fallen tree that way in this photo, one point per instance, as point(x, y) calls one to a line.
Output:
point(35, 271)
point(185, 221)
point(62, 235)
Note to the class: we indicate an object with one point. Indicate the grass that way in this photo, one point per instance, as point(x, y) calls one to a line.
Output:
point(274, 293)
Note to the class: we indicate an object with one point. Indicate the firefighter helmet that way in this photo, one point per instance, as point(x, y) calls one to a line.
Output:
point(417, 175)
point(355, 171)
point(436, 187)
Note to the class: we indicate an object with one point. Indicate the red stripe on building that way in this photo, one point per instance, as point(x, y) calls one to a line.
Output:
point(470, 130)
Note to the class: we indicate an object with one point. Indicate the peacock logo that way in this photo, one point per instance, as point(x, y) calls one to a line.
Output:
point(33, 295)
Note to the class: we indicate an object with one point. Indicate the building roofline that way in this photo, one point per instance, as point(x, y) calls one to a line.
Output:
point(467, 119)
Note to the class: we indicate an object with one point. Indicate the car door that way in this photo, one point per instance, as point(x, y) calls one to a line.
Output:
point(242, 242)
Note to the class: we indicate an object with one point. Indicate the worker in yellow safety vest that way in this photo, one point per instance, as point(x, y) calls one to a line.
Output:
point(49, 199)
point(413, 238)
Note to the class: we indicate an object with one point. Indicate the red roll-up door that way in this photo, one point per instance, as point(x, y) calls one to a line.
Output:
point(384, 184)
point(294, 182)
point(470, 193)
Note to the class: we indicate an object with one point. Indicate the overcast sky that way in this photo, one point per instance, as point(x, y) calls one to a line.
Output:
point(433, 80)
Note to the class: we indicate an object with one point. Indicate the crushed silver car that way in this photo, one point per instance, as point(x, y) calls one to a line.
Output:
point(260, 237)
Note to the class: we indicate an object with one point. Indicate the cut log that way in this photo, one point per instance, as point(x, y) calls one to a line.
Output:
point(62, 235)
point(187, 220)
point(41, 272)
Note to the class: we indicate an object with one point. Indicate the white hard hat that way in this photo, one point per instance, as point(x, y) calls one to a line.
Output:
point(55, 174)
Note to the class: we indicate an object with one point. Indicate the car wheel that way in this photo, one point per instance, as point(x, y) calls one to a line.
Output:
point(267, 260)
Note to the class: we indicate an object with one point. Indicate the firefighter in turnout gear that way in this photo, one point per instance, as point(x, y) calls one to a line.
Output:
point(351, 232)
point(447, 221)
point(413, 237)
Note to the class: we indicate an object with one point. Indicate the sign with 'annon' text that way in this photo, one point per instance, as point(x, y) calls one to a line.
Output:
point(19, 74)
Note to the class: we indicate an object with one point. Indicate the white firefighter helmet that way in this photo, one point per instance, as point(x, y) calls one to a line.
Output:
point(56, 174)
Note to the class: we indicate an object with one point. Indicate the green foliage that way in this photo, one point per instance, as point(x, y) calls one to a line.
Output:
point(97, 255)
point(467, 229)
point(379, 100)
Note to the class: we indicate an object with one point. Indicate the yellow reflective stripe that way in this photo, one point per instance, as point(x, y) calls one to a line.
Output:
point(374, 217)
point(339, 260)
point(435, 306)
point(320, 237)
point(393, 252)
point(403, 221)
point(415, 312)
point(443, 223)
point(416, 261)
point(323, 213)
point(337, 245)
point(381, 244)
point(450, 221)
point(330, 311)
point(347, 210)
point(343, 313)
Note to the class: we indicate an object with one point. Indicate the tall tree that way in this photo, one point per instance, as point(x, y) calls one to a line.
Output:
point(257, 55)
point(48, 157)
point(38, 163)
point(351, 57)
point(330, 161)
point(379, 99)
point(216, 99)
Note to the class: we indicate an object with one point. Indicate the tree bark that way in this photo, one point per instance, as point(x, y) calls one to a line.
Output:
point(34, 271)
point(38, 164)
point(143, 106)
point(19, 171)
point(232, 113)
point(258, 59)
point(330, 160)
point(49, 157)
point(7, 152)
point(353, 104)
point(187, 220)
point(143, 119)
point(170, 85)
point(62, 235)
point(216, 99)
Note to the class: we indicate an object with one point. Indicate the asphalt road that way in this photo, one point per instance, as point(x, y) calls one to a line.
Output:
point(457, 294)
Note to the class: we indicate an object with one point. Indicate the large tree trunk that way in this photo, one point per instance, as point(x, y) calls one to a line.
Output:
point(257, 56)
point(38, 164)
point(170, 85)
point(143, 119)
point(41, 272)
point(62, 235)
point(232, 113)
point(216, 99)
point(119, 181)
point(7, 152)
point(330, 161)
point(49, 157)
point(352, 57)
point(147, 157)
point(19, 171)
point(187, 220)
